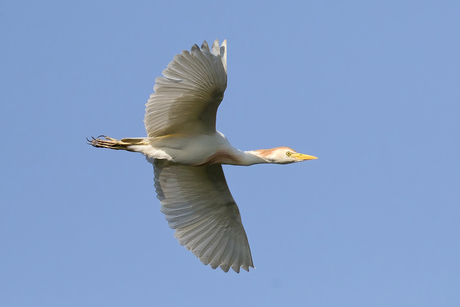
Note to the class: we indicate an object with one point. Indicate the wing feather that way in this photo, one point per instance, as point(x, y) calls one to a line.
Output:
point(186, 98)
point(227, 257)
point(199, 206)
point(215, 48)
point(216, 254)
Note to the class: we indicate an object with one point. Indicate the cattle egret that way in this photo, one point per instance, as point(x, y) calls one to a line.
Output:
point(187, 154)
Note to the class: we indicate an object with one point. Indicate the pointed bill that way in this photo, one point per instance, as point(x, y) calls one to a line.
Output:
point(303, 157)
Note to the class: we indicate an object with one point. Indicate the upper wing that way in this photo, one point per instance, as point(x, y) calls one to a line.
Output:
point(198, 205)
point(187, 97)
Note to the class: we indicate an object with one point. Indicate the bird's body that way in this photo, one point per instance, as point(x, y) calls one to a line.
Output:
point(194, 150)
point(187, 152)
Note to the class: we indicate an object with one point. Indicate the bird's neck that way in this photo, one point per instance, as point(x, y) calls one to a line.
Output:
point(252, 157)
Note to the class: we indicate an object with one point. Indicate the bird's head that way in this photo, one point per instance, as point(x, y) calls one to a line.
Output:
point(282, 155)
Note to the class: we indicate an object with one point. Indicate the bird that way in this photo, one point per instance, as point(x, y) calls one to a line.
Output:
point(187, 154)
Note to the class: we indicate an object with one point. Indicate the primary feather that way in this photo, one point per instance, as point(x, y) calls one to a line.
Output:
point(198, 205)
point(187, 97)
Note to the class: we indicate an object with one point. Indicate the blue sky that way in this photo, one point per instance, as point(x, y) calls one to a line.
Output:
point(370, 87)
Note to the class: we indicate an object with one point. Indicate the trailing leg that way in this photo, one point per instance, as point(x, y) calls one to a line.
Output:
point(104, 141)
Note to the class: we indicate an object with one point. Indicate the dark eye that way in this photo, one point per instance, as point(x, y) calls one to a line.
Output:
point(288, 153)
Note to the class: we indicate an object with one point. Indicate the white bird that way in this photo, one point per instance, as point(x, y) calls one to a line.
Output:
point(187, 153)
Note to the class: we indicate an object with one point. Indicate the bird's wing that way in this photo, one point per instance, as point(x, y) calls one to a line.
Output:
point(198, 205)
point(186, 99)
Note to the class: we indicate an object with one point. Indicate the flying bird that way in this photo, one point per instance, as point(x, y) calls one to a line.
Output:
point(187, 153)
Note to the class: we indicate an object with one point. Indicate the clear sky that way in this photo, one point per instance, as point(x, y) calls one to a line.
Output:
point(370, 87)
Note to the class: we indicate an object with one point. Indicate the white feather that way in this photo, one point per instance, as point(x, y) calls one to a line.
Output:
point(198, 205)
point(186, 98)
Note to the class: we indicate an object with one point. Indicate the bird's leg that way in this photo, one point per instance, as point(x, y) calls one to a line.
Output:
point(104, 141)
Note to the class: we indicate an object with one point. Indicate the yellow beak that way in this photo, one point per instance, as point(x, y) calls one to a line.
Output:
point(303, 157)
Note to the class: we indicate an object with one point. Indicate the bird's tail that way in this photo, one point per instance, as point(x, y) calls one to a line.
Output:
point(128, 144)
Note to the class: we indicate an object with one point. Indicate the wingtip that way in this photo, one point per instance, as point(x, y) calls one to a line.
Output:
point(223, 53)
point(215, 48)
point(225, 267)
point(236, 268)
point(195, 48)
point(205, 45)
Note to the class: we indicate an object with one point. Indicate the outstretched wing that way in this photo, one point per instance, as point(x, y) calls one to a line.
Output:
point(198, 205)
point(187, 97)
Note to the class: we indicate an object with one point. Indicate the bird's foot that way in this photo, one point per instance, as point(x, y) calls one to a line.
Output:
point(104, 141)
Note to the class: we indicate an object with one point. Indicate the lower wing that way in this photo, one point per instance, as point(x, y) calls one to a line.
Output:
point(199, 206)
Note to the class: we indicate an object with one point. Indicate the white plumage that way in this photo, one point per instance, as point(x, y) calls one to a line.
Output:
point(187, 97)
point(198, 205)
point(187, 154)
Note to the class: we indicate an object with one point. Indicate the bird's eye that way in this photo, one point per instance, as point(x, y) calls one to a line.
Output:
point(288, 153)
